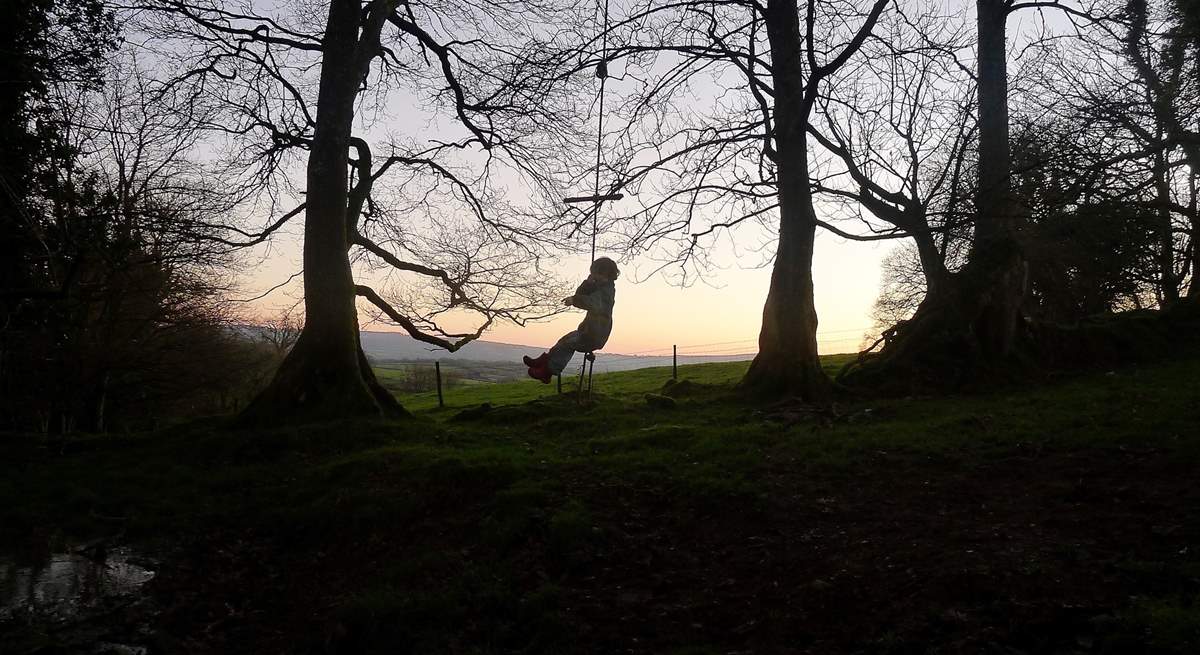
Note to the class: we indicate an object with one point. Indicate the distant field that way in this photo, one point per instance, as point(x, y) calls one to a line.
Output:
point(399, 376)
point(618, 384)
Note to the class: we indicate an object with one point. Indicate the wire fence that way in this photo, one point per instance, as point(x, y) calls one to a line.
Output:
point(445, 375)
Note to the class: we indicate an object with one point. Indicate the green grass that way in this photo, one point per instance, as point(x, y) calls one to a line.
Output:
point(622, 384)
point(722, 440)
point(463, 507)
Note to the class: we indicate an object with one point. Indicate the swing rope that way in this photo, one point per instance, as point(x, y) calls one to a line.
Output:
point(602, 73)
point(596, 199)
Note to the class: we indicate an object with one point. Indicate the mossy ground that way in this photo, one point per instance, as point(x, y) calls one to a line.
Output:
point(1063, 517)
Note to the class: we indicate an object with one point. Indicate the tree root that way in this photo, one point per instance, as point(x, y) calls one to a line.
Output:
point(312, 386)
point(770, 377)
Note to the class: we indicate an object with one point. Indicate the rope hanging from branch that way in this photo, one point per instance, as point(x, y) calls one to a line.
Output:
point(596, 198)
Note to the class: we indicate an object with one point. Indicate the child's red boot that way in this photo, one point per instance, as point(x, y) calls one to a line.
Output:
point(540, 373)
point(536, 362)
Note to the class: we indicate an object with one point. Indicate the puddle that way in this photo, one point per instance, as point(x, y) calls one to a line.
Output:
point(86, 603)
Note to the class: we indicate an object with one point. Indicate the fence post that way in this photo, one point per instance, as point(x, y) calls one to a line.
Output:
point(437, 367)
point(674, 362)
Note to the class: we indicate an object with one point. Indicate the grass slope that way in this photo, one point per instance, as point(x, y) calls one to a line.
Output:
point(623, 385)
point(1062, 518)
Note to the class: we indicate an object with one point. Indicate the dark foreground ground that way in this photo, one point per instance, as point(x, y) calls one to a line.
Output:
point(1060, 518)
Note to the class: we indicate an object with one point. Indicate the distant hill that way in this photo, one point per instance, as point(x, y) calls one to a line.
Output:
point(392, 347)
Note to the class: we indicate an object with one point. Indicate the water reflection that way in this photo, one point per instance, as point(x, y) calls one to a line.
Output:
point(68, 585)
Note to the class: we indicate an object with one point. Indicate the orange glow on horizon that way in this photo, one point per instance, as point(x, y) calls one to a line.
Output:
point(652, 315)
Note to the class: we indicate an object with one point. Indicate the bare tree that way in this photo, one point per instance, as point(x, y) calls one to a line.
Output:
point(714, 136)
point(281, 330)
point(369, 204)
point(1162, 44)
point(978, 323)
point(899, 127)
point(903, 285)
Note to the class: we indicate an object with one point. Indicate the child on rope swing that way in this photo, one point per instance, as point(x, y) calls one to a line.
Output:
point(597, 295)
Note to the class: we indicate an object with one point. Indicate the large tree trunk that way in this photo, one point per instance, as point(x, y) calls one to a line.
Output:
point(995, 255)
point(970, 331)
point(787, 360)
point(326, 374)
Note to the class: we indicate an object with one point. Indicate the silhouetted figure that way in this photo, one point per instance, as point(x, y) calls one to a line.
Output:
point(597, 294)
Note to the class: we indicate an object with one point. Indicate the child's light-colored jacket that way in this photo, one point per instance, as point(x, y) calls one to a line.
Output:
point(597, 297)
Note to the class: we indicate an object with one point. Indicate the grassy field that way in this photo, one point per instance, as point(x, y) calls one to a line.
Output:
point(1059, 518)
point(624, 385)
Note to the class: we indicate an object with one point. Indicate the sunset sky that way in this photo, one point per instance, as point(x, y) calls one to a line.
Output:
point(728, 310)
point(651, 315)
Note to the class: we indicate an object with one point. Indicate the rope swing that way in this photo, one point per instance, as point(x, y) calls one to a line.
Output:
point(596, 199)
